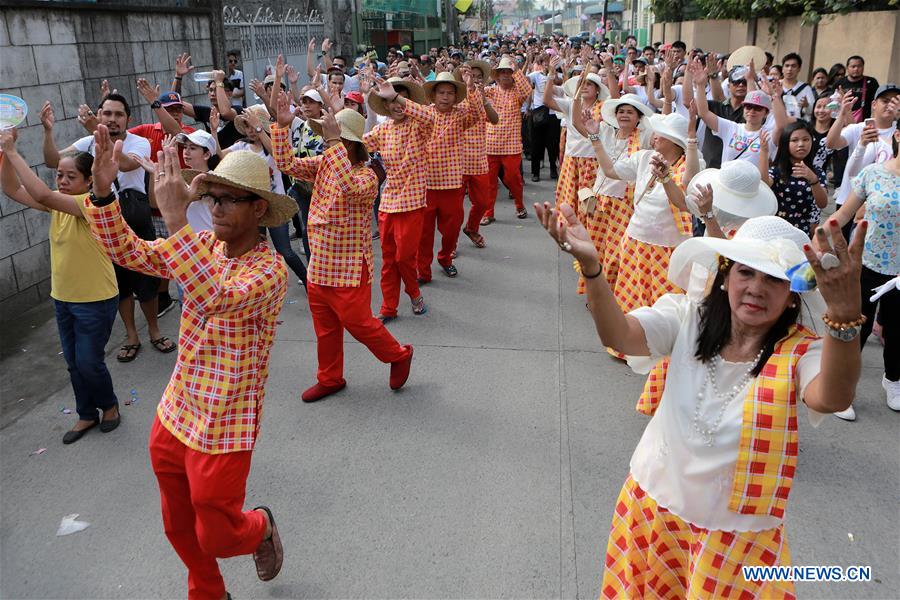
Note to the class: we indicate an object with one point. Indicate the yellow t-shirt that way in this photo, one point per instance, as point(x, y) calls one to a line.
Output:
point(79, 270)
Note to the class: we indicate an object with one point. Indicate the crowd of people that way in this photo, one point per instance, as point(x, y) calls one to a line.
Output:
point(690, 190)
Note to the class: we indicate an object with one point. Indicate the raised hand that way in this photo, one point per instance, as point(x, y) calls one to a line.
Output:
point(8, 139)
point(149, 93)
point(659, 167)
point(292, 73)
point(847, 102)
point(384, 89)
point(214, 119)
point(106, 161)
point(172, 197)
point(183, 64)
point(169, 141)
point(326, 45)
point(87, 118)
point(48, 119)
point(692, 120)
point(703, 195)
point(147, 164)
point(104, 89)
point(283, 114)
point(839, 286)
point(801, 170)
point(698, 74)
point(218, 76)
point(568, 232)
point(331, 129)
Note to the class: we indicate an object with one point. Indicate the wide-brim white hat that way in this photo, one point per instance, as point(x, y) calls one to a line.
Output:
point(608, 110)
point(743, 55)
point(738, 189)
point(571, 86)
point(673, 127)
point(415, 91)
point(353, 124)
point(247, 171)
point(445, 77)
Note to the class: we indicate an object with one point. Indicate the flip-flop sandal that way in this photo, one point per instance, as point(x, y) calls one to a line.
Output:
point(476, 238)
point(419, 307)
point(522, 214)
point(487, 220)
point(128, 352)
point(450, 271)
point(160, 345)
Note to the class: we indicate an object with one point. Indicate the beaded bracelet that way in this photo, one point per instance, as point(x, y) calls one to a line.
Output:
point(835, 325)
point(595, 276)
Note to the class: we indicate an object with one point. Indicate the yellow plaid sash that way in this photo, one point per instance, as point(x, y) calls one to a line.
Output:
point(682, 217)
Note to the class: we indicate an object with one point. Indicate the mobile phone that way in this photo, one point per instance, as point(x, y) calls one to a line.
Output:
point(870, 123)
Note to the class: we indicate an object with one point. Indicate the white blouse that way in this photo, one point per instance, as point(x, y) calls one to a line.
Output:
point(672, 461)
point(576, 144)
point(653, 221)
point(616, 149)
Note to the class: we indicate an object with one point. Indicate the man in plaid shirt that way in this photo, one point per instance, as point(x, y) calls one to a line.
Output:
point(504, 140)
point(208, 419)
point(340, 237)
point(401, 141)
point(455, 111)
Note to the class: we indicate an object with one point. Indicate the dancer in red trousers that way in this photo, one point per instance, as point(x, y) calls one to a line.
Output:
point(340, 241)
point(476, 179)
point(402, 142)
point(234, 285)
point(457, 107)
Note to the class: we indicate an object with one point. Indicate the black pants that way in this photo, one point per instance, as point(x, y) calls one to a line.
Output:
point(889, 306)
point(544, 136)
point(303, 199)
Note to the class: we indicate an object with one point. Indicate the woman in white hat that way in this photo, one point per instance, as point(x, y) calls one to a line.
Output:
point(660, 220)
point(340, 236)
point(621, 135)
point(579, 165)
point(710, 478)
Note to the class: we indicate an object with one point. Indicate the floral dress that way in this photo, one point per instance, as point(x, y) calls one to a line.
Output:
point(796, 203)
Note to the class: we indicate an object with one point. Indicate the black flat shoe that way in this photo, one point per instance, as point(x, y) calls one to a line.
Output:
point(73, 436)
point(107, 425)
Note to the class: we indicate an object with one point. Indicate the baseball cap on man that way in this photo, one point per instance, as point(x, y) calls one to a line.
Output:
point(759, 98)
point(313, 95)
point(887, 88)
point(170, 99)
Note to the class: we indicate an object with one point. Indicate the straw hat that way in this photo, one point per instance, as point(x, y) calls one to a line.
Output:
point(571, 86)
point(743, 55)
point(261, 113)
point(506, 63)
point(445, 77)
point(738, 189)
point(247, 171)
point(481, 65)
point(673, 127)
point(416, 94)
point(608, 109)
point(353, 125)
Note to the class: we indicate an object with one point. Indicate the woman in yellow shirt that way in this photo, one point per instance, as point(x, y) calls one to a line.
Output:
point(82, 280)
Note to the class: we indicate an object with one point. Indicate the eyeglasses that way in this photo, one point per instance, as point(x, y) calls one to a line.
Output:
point(754, 108)
point(226, 201)
point(232, 61)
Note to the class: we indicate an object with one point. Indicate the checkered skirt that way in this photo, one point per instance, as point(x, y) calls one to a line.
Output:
point(652, 553)
point(643, 274)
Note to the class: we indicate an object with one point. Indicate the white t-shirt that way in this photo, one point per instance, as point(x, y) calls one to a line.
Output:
point(237, 78)
point(133, 144)
point(538, 81)
point(616, 149)
point(652, 221)
point(576, 144)
point(736, 139)
point(351, 82)
point(277, 183)
point(852, 134)
point(199, 217)
point(795, 110)
point(672, 462)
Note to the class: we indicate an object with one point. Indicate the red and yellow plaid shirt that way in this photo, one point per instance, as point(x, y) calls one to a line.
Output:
point(506, 136)
point(474, 154)
point(445, 152)
point(340, 213)
point(213, 403)
point(403, 147)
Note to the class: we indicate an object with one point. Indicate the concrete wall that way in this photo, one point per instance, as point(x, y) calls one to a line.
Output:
point(61, 55)
point(831, 41)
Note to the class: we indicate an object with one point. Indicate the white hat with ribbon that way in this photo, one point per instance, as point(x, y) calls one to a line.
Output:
point(738, 189)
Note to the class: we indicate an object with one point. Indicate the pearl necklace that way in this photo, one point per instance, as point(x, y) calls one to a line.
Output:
point(708, 435)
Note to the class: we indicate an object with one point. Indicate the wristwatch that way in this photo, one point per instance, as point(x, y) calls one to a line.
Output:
point(594, 137)
point(708, 216)
point(220, 84)
point(844, 334)
point(155, 104)
point(258, 129)
point(104, 200)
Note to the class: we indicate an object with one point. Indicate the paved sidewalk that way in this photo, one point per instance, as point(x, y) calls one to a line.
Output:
point(492, 474)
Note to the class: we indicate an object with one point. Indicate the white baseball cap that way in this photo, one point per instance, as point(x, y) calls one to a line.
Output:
point(198, 138)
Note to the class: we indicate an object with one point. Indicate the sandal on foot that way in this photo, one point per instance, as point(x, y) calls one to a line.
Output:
point(418, 306)
point(487, 220)
point(522, 213)
point(160, 344)
point(269, 555)
point(450, 270)
point(384, 318)
point(128, 352)
point(476, 238)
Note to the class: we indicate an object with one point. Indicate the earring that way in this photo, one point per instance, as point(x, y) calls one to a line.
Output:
point(793, 305)
point(722, 287)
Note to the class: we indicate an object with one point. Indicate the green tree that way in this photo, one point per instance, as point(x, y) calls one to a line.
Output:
point(525, 8)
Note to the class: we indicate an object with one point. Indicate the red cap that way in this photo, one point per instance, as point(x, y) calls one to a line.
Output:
point(355, 97)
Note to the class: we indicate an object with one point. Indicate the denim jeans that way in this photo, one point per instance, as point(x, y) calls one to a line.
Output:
point(303, 199)
point(84, 329)
point(281, 239)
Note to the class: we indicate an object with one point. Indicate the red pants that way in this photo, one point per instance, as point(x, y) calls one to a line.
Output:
point(512, 178)
point(334, 309)
point(477, 185)
point(202, 498)
point(446, 208)
point(400, 234)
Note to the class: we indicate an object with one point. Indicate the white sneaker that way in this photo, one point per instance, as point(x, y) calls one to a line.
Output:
point(847, 415)
point(893, 393)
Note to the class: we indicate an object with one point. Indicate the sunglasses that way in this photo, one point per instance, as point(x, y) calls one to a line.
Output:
point(754, 108)
point(226, 201)
point(233, 61)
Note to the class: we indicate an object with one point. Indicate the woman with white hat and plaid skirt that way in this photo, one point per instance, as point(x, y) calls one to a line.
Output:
point(710, 478)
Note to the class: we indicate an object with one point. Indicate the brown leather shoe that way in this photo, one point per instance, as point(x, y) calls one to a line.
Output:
point(269, 554)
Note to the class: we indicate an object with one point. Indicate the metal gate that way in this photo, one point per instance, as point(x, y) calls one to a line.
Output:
point(264, 36)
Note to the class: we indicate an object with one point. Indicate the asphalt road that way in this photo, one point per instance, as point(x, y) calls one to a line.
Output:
point(492, 474)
